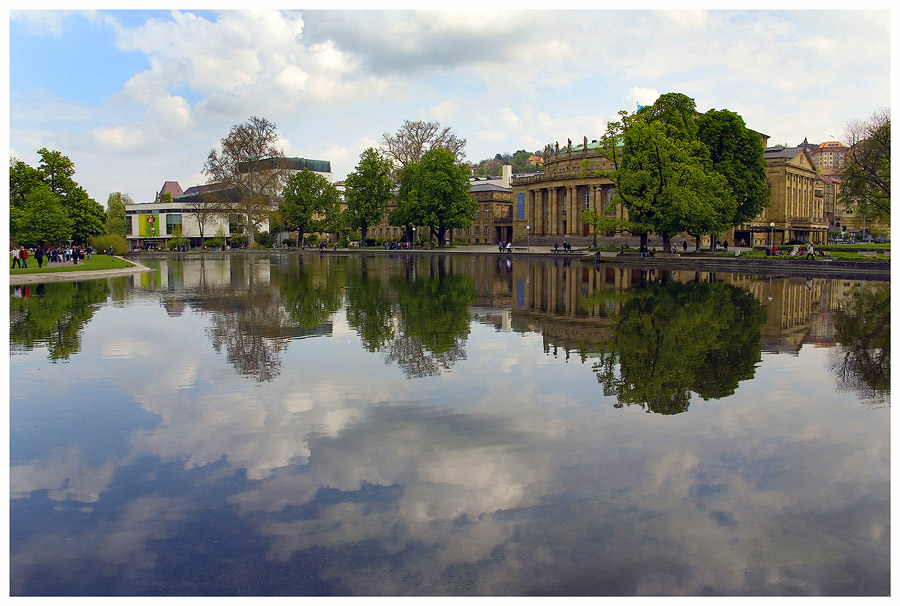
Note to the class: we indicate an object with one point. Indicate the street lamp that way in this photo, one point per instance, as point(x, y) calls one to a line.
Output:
point(413, 243)
point(528, 236)
point(772, 232)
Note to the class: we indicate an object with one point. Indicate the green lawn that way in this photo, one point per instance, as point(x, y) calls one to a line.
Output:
point(96, 262)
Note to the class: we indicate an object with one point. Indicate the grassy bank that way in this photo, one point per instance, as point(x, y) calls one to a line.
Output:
point(95, 263)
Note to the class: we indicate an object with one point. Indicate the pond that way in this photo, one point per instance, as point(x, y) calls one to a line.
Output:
point(448, 424)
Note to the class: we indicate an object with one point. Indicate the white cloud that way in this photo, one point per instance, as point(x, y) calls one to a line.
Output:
point(117, 138)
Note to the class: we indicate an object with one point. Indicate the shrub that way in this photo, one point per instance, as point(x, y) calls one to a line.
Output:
point(102, 243)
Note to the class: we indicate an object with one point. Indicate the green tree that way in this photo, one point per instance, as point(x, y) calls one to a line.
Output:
point(368, 189)
point(737, 153)
point(441, 190)
point(309, 204)
point(115, 213)
point(866, 178)
point(679, 171)
point(41, 218)
point(247, 160)
point(87, 215)
point(667, 184)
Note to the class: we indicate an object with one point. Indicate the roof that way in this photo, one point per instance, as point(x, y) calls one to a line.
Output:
point(171, 187)
point(780, 151)
point(316, 166)
point(481, 186)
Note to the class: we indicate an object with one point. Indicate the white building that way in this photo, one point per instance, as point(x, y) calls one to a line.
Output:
point(152, 224)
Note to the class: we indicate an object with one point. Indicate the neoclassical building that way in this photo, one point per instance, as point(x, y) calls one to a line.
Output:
point(550, 204)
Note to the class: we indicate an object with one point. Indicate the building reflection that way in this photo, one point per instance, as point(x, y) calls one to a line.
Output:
point(259, 304)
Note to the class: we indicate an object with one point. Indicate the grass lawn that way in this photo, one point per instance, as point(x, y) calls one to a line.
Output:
point(847, 255)
point(96, 262)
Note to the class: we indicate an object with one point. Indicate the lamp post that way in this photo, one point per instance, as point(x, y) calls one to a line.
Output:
point(772, 231)
point(414, 237)
point(528, 236)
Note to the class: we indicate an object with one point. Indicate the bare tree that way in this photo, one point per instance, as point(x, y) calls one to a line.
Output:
point(250, 162)
point(415, 138)
point(209, 204)
point(866, 178)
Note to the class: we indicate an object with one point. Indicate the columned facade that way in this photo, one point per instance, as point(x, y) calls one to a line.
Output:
point(550, 204)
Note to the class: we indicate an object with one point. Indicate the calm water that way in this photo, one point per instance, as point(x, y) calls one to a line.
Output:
point(448, 425)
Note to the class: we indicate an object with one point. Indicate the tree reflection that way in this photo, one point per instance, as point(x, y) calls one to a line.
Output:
point(370, 310)
point(256, 323)
point(671, 339)
point(433, 319)
point(53, 315)
point(862, 362)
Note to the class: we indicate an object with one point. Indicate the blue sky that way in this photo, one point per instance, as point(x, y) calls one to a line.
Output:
point(137, 98)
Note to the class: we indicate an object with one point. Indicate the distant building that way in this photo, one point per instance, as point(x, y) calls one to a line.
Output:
point(153, 224)
point(830, 155)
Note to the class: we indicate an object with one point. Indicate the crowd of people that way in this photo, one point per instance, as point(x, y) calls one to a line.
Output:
point(52, 254)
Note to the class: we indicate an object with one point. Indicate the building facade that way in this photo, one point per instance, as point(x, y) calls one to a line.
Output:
point(549, 204)
point(200, 212)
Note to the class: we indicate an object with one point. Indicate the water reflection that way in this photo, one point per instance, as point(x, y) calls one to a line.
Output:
point(862, 362)
point(53, 317)
point(245, 426)
point(671, 339)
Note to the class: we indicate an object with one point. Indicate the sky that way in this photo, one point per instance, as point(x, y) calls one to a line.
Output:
point(136, 98)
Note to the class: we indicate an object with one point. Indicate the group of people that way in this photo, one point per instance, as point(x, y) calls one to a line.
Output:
point(505, 246)
point(567, 248)
point(53, 254)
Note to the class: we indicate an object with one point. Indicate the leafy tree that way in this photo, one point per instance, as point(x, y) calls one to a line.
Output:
point(414, 138)
point(367, 190)
point(87, 216)
point(247, 161)
point(115, 213)
point(309, 204)
point(440, 189)
point(679, 171)
point(866, 178)
point(667, 184)
point(41, 218)
point(737, 153)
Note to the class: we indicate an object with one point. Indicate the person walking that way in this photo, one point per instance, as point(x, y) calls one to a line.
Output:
point(23, 257)
point(15, 258)
point(810, 251)
point(39, 255)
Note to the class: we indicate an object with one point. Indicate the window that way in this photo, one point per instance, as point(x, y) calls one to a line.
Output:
point(586, 199)
point(171, 221)
point(128, 231)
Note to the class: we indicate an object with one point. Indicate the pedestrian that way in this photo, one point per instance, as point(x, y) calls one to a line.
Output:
point(39, 255)
point(15, 258)
point(556, 247)
point(508, 248)
point(23, 257)
point(810, 251)
point(725, 245)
